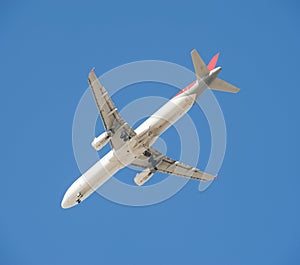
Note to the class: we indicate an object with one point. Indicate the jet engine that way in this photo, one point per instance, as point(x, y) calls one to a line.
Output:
point(101, 140)
point(143, 177)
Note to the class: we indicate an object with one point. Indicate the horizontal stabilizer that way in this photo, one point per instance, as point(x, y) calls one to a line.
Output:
point(221, 85)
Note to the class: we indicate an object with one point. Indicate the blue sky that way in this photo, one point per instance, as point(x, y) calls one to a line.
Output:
point(250, 215)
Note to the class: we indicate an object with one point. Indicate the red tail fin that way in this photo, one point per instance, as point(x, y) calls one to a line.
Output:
point(213, 62)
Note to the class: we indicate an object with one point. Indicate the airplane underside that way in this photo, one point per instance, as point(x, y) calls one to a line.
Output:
point(134, 147)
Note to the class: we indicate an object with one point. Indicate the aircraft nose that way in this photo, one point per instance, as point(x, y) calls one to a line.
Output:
point(66, 202)
point(73, 195)
point(63, 204)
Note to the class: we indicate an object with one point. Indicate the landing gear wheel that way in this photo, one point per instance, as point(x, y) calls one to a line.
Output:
point(147, 153)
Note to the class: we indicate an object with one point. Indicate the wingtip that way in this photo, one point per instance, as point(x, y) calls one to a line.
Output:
point(92, 76)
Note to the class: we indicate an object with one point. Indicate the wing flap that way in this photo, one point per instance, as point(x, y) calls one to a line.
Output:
point(110, 116)
point(170, 166)
point(164, 164)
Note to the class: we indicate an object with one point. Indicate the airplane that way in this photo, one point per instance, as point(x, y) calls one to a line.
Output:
point(134, 147)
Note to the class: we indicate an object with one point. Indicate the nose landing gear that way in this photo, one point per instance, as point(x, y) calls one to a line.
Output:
point(79, 196)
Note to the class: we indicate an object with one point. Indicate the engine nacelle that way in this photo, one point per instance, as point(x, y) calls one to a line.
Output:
point(101, 140)
point(143, 177)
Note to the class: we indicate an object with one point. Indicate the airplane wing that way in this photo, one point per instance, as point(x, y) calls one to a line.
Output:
point(110, 116)
point(153, 159)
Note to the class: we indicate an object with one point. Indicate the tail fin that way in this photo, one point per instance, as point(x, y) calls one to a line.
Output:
point(202, 70)
point(221, 85)
point(199, 66)
point(213, 62)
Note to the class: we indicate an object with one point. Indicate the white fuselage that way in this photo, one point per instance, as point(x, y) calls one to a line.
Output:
point(146, 135)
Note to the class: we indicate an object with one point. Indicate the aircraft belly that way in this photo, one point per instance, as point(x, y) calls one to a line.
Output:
point(97, 175)
point(160, 121)
point(102, 170)
point(134, 146)
point(170, 113)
